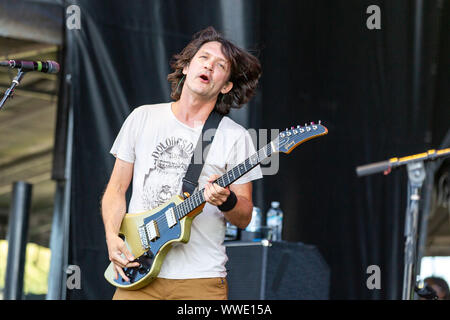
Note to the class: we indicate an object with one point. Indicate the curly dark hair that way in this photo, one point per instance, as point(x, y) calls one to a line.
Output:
point(245, 70)
point(440, 282)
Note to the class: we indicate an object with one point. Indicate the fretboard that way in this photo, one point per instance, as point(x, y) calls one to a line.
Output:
point(197, 198)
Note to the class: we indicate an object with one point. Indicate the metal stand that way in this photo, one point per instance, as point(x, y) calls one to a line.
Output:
point(17, 240)
point(10, 92)
point(59, 239)
point(416, 176)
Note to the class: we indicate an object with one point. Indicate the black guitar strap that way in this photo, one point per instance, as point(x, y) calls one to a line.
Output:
point(190, 181)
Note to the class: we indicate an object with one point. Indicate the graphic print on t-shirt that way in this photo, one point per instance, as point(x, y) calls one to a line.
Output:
point(164, 179)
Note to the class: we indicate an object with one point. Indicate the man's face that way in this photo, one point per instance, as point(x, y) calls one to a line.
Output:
point(208, 72)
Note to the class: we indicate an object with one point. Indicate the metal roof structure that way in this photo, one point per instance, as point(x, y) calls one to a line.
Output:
point(29, 30)
point(27, 128)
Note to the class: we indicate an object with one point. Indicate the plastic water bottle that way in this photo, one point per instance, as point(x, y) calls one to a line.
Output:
point(230, 232)
point(275, 220)
point(255, 223)
point(280, 222)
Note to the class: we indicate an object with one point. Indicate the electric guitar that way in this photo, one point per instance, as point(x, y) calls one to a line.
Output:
point(150, 235)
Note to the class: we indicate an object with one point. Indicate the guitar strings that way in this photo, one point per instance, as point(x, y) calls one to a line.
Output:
point(161, 221)
point(196, 196)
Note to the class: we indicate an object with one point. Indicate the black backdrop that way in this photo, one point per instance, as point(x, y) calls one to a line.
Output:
point(373, 89)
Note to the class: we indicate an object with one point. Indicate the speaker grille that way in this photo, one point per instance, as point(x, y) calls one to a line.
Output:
point(287, 270)
point(244, 271)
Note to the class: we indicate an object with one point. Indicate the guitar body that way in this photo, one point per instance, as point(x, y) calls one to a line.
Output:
point(151, 260)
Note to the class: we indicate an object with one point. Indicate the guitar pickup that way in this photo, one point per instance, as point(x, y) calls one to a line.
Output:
point(170, 217)
point(152, 230)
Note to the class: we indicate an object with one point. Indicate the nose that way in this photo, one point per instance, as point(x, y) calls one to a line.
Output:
point(208, 65)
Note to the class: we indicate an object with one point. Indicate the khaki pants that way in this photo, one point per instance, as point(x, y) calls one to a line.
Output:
point(178, 289)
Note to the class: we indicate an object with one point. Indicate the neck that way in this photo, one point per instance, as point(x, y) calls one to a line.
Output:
point(192, 111)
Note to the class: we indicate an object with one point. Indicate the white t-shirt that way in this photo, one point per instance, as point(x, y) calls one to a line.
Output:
point(161, 147)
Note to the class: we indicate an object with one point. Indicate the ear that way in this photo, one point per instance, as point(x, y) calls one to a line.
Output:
point(228, 86)
point(185, 69)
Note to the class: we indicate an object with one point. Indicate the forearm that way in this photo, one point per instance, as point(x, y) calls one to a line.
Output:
point(113, 211)
point(241, 214)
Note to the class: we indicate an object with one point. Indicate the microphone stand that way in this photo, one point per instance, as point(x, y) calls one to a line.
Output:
point(416, 176)
point(10, 92)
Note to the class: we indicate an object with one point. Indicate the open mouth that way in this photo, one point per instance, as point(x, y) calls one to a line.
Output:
point(204, 78)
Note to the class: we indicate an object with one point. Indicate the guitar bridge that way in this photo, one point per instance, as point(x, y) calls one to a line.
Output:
point(143, 236)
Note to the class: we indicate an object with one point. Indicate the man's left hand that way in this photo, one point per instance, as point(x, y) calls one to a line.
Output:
point(215, 194)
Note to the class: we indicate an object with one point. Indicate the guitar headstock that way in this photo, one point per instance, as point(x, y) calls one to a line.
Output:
point(289, 139)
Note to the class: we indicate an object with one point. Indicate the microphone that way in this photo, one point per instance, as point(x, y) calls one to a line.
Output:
point(41, 66)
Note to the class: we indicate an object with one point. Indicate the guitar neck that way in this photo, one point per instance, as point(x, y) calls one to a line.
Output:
point(197, 198)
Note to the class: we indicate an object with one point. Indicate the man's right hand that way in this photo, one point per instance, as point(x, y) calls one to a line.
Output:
point(120, 256)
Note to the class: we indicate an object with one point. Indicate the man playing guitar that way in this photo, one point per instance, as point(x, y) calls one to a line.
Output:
point(154, 148)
